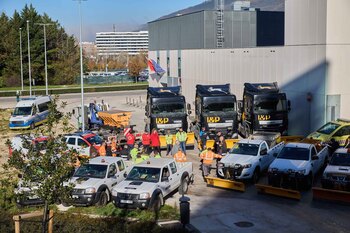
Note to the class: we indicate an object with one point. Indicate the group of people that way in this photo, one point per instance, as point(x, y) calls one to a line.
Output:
point(149, 145)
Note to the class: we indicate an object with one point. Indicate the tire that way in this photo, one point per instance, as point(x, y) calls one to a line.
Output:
point(32, 125)
point(157, 203)
point(256, 176)
point(103, 200)
point(183, 189)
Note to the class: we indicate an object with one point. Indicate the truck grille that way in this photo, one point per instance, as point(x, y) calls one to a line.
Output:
point(78, 191)
point(337, 177)
point(17, 122)
point(128, 196)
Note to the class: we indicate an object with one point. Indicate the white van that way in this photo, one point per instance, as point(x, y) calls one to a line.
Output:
point(30, 112)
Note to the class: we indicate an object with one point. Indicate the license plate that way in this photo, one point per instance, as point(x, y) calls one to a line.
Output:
point(126, 201)
point(75, 196)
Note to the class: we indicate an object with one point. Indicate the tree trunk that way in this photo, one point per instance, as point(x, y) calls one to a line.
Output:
point(45, 217)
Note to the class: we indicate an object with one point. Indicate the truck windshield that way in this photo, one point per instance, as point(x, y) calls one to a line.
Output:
point(219, 107)
point(270, 105)
point(94, 139)
point(294, 153)
point(245, 149)
point(168, 107)
point(340, 159)
point(146, 174)
point(328, 128)
point(22, 111)
point(91, 171)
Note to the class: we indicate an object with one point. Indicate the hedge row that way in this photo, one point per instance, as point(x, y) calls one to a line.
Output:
point(77, 90)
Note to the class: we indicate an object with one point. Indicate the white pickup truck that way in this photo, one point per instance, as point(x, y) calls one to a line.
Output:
point(296, 165)
point(94, 181)
point(247, 159)
point(150, 182)
point(337, 173)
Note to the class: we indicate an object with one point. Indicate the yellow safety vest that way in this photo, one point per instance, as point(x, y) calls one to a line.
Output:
point(181, 137)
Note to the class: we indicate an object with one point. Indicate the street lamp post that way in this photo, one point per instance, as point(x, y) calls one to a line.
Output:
point(81, 71)
point(20, 50)
point(29, 70)
point(46, 82)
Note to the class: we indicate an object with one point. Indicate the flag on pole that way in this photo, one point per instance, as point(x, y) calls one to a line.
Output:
point(156, 72)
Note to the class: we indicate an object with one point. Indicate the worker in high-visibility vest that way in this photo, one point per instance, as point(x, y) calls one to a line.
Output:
point(102, 150)
point(114, 147)
point(180, 156)
point(138, 159)
point(181, 136)
point(207, 157)
point(169, 142)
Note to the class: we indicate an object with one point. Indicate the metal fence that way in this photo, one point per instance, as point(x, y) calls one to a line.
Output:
point(106, 79)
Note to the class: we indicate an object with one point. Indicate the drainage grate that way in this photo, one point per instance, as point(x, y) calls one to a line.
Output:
point(244, 224)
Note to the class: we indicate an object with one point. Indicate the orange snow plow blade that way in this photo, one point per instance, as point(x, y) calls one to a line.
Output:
point(331, 195)
point(281, 192)
point(226, 184)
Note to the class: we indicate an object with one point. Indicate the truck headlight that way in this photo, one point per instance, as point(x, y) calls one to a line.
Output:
point(273, 169)
point(90, 190)
point(247, 166)
point(291, 171)
point(114, 193)
point(144, 196)
point(302, 171)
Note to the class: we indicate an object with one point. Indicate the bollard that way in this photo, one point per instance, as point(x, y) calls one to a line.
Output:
point(184, 210)
point(126, 99)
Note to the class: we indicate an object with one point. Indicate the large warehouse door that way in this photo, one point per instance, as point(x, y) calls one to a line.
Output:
point(333, 107)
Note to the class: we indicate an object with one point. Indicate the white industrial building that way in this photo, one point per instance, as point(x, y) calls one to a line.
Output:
point(312, 67)
point(115, 43)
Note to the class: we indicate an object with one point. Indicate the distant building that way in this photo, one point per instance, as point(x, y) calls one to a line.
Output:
point(89, 49)
point(114, 43)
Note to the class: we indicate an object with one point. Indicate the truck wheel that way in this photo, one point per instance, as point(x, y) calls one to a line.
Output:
point(157, 203)
point(256, 176)
point(184, 186)
point(103, 199)
point(32, 125)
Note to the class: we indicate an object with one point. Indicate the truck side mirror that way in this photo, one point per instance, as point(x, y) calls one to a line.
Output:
point(240, 105)
point(263, 152)
point(73, 111)
point(288, 103)
point(188, 106)
point(125, 175)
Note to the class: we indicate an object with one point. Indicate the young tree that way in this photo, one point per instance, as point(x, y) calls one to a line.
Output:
point(137, 64)
point(47, 166)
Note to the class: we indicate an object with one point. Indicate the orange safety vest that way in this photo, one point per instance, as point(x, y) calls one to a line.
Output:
point(102, 151)
point(180, 157)
point(208, 157)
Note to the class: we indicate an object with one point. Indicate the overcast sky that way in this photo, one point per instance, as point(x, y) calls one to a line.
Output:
point(100, 15)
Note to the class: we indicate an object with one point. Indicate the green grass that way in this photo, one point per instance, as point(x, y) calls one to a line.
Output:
point(166, 212)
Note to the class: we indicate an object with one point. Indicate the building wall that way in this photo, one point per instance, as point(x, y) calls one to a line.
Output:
point(313, 63)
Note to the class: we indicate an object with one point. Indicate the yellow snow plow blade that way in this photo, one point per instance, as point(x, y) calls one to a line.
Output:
point(288, 193)
point(226, 184)
point(331, 195)
point(229, 143)
point(115, 118)
point(189, 142)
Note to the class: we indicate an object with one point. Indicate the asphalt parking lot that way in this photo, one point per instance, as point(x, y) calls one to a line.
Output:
point(219, 210)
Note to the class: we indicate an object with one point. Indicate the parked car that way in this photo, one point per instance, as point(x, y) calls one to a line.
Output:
point(94, 181)
point(86, 143)
point(297, 164)
point(337, 173)
point(149, 183)
point(22, 142)
point(339, 130)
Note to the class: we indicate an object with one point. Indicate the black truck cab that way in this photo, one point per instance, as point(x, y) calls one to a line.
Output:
point(216, 110)
point(165, 109)
point(263, 108)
